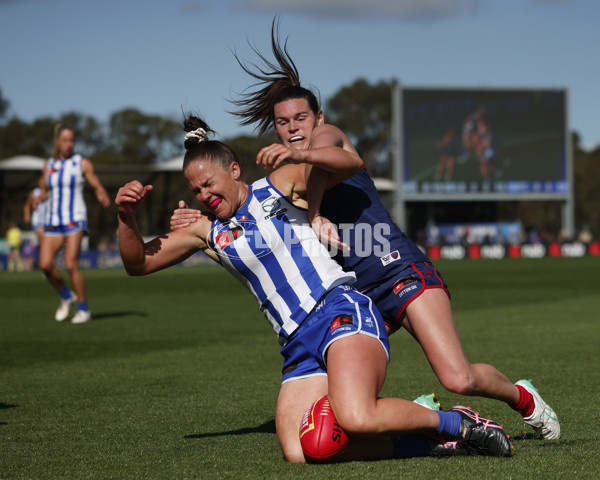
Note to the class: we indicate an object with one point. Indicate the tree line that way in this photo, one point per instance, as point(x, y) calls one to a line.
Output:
point(132, 139)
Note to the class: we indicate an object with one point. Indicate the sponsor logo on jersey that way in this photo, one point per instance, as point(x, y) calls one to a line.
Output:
point(390, 257)
point(223, 239)
point(259, 242)
point(271, 206)
point(274, 214)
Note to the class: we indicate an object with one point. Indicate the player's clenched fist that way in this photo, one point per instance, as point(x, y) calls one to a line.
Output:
point(130, 197)
point(273, 155)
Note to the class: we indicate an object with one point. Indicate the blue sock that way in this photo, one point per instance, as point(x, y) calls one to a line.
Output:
point(449, 423)
point(82, 306)
point(65, 293)
point(406, 446)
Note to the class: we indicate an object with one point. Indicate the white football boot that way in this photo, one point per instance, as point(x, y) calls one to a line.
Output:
point(62, 312)
point(543, 419)
point(81, 316)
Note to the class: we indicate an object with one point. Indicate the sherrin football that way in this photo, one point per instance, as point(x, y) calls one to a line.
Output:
point(321, 436)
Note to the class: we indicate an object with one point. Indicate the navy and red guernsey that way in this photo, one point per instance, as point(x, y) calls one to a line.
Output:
point(379, 248)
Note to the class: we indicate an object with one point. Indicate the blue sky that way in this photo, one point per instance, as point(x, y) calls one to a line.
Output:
point(97, 57)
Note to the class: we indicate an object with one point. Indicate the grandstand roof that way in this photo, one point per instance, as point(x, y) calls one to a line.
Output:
point(22, 162)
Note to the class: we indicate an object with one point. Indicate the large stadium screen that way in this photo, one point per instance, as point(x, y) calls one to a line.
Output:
point(478, 142)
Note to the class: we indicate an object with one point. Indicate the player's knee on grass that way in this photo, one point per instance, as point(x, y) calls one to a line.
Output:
point(289, 440)
point(291, 449)
point(294, 456)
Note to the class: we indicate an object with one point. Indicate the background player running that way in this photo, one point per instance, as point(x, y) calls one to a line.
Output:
point(64, 176)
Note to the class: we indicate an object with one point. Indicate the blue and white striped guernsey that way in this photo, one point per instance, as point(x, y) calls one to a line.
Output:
point(65, 186)
point(270, 247)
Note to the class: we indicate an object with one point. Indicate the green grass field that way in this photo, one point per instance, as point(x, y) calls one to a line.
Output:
point(177, 376)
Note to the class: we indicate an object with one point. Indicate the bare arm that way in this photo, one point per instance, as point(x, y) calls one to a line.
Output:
point(316, 183)
point(141, 258)
point(320, 177)
point(329, 149)
point(90, 175)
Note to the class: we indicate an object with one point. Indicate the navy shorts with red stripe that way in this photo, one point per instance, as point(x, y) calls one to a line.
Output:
point(393, 295)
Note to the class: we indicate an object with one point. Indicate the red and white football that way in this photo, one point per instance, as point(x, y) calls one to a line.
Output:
point(321, 436)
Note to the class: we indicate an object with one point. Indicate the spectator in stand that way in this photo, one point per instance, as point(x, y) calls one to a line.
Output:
point(14, 237)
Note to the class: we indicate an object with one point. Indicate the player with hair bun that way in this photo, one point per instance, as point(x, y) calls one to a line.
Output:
point(333, 339)
point(406, 287)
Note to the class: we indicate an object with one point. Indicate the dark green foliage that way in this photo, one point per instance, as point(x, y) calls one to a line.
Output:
point(364, 112)
point(132, 141)
point(4, 105)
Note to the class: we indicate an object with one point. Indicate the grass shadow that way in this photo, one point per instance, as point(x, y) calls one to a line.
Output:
point(107, 315)
point(4, 406)
point(266, 427)
point(525, 436)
